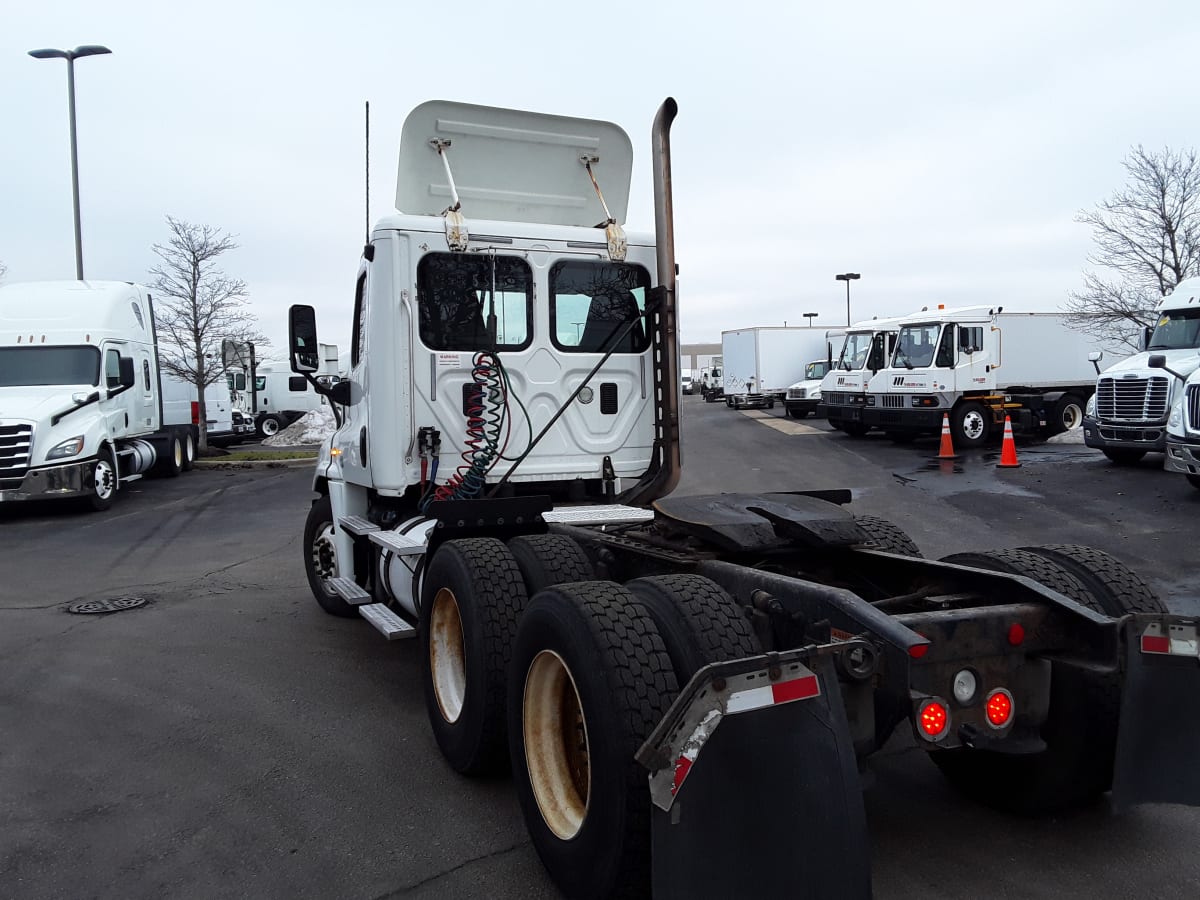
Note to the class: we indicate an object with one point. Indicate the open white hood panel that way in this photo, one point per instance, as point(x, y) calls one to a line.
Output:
point(512, 166)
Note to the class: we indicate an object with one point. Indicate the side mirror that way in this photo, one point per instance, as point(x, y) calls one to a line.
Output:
point(340, 393)
point(302, 339)
point(127, 375)
point(1157, 361)
point(1095, 356)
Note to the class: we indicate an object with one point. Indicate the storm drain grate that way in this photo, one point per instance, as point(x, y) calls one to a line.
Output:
point(110, 605)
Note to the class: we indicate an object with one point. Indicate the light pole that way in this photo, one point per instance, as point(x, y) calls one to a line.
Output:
point(810, 317)
point(70, 56)
point(848, 277)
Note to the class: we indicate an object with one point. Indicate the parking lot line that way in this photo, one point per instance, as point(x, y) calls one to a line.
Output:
point(787, 426)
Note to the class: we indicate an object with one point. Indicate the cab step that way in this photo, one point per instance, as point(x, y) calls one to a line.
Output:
point(386, 622)
point(356, 525)
point(400, 544)
point(125, 479)
point(346, 588)
point(598, 515)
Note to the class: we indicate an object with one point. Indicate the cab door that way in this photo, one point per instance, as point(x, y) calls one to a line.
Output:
point(118, 407)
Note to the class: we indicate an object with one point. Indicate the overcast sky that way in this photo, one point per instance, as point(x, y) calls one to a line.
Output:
point(940, 149)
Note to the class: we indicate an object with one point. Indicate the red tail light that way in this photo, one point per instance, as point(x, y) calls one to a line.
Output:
point(933, 720)
point(999, 708)
point(195, 412)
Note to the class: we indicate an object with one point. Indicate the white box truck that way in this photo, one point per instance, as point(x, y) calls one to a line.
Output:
point(979, 364)
point(1127, 416)
point(80, 396)
point(759, 364)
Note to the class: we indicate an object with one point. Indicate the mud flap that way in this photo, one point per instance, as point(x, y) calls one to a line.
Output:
point(772, 806)
point(1158, 743)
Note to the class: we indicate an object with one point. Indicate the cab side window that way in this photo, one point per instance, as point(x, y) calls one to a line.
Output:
point(112, 369)
point(146, 374)
point(358, 339)
point(945, 353)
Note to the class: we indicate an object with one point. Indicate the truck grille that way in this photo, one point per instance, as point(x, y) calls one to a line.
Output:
point(797, 393)
point(1193, 407)
point(16, 442)
point(893, 401)
point(1131, 399)
point(836, 398)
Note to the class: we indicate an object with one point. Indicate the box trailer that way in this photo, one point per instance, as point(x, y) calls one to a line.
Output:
point(760, 364)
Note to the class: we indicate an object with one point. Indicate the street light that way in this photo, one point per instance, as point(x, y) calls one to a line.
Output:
point(848, 277)
point(810, 317)
point(70, 56)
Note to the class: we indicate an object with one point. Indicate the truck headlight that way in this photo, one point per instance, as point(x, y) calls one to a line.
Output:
point(1089, 408)
point(1176, 419)
point(70, 447)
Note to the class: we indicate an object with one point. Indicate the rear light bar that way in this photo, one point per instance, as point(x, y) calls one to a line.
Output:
point(1175, 640)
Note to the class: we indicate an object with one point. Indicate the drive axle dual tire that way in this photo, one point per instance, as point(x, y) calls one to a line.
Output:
point(590, 680)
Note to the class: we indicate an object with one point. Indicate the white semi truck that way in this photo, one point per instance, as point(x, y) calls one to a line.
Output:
point(1183, 427)
point(866, 349)
point(653, 667)
point(80, 398)
point(284, 397)
point(979, 364)
point(759, 364)
point(1127, 416)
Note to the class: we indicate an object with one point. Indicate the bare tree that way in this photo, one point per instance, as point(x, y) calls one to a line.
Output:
point(197, 306)
point(3, 270)
point(1147, 241)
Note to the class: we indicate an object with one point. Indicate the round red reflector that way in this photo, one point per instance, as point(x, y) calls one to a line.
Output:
point(999, 708)
point(1016, 634)
point(933, 718)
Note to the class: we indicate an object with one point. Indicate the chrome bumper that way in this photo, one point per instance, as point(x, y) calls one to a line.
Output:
point(70, 480)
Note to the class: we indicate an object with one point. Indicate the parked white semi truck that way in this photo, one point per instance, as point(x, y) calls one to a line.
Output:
point(80, 399)
point(1127, 417)
point(759, 364)
point(979, 364)
point(866, 349)
point(1183, 427)
point(652, 667)
point(284, 397)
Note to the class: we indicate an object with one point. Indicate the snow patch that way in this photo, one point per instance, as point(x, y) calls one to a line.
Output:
point(311, 428)
point(1074, 436)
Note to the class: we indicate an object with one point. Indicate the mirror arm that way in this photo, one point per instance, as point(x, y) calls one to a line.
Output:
point(324, 392)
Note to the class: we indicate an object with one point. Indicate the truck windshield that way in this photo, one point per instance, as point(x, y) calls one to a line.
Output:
point(916, 345)
point(27, 366)
point(1177, 329)
point(815, 371)
point(854, 351)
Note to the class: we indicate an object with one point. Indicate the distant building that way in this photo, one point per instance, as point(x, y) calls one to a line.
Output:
point(697, 356)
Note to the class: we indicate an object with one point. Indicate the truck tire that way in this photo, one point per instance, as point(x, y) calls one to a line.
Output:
point(103, 488)
point(471, 598)
point(796, 413)
point(697, 619)
point(189, 450)
point(855, 429)
point(1194, 481)
point(1066, 415)
point(1080, 730)
point(320, 559)
point(1122, 457)
point(549, 559)
point(1118, 589)
point(269, 426)
point(970, 425)
point(172, 460)
point(887, 536)
point(591, 680)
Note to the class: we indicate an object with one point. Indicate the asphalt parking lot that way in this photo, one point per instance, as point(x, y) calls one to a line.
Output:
point(228, 739)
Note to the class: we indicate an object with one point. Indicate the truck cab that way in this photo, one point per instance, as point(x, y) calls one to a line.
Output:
point(866, 349)
point(1127, 416)
point(803, 397)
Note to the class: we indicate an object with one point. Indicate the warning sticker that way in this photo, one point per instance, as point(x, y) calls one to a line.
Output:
point(449, 360)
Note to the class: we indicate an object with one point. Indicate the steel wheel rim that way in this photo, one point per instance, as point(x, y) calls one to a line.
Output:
point(190, 449)
point(103, 477)
point(324, 556)
point(973, 425)
point(178, 448)
point(447, 655)
point(1072, 417)
point(556, 745)
point(270, 427)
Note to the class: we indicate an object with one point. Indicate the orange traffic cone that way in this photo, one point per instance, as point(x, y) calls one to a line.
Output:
point(946, 451)
point(1008, 450)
